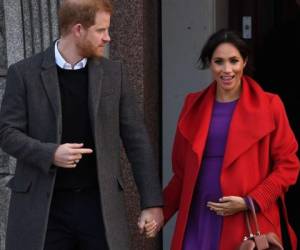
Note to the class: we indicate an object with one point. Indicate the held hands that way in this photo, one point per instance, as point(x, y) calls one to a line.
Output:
point(228, 205)
point(151, 221)
point(69, 154)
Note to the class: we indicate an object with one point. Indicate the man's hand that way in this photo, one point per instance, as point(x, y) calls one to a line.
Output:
point(69, 154)
point(228, 205)
point(151, 221)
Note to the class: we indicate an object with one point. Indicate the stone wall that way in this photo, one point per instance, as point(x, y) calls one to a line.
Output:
point(4, 158)
point(135, 33)
point(3, 60)
point(28, 27)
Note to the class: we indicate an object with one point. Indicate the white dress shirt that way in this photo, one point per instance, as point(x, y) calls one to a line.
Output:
point(62, 63)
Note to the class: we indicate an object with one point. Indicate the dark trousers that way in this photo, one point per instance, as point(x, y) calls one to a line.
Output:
point(75, 221)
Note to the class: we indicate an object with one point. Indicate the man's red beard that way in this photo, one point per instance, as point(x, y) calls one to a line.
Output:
point(87, 50)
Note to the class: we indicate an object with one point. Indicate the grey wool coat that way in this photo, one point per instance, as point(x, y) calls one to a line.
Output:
point(30, 130)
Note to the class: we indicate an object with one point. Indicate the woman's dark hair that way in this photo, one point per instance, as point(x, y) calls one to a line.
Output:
point(219, 37)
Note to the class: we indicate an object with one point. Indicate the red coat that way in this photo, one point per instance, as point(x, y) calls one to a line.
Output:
point(260, 160)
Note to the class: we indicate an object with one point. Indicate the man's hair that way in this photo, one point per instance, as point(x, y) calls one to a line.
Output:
point(81, 11)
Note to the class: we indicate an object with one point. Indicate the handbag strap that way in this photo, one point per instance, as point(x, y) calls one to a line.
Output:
point(252, 209)
point(248, 226)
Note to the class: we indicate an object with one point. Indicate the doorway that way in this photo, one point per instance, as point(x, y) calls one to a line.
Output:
point(273, 31)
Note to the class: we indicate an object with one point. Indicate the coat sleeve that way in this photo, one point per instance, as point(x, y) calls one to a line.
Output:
point(285, 163)
point(172, 192)
point(138, 147)
point(13, 126)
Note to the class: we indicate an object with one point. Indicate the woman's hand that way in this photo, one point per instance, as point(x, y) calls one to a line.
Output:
point(228, 205)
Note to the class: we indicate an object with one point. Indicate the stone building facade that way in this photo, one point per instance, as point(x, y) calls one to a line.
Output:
point(29, 26)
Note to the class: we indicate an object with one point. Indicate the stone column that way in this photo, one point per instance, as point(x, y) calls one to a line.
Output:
point(135, 33)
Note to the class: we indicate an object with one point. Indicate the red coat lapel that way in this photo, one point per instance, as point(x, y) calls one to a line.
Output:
point(195, 122)
point(251, 120)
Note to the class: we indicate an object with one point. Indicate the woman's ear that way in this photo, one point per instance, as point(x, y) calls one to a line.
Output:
point(245, 62)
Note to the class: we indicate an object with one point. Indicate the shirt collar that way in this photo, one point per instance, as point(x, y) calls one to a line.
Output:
point(62, 63)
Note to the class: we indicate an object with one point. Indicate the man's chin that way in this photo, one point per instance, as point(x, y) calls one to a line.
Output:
point(93, 55)
point(98, 54)
point(96, 57)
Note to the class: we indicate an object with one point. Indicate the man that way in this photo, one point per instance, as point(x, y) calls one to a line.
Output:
point(63, 114)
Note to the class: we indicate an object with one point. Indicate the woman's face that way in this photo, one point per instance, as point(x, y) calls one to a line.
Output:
point(227, 66)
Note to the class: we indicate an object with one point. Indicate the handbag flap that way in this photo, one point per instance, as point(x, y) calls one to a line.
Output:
point(261, 242)
point(247, 245)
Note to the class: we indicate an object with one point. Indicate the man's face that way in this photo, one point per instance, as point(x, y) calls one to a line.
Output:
point(94, 38)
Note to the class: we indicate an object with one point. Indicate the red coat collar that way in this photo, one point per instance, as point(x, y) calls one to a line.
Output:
point(252, 119)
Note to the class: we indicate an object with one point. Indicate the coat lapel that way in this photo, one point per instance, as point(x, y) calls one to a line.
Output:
point(195, 122)
point(50, 81)
point(251, 121)
point(95, 72)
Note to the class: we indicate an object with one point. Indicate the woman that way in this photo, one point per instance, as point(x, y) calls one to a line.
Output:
point(233, 141)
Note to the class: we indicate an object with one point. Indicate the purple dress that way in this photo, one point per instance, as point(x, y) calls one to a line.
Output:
point(204, 226)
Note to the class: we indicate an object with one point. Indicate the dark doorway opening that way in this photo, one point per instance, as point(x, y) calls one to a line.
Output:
point(275, 42)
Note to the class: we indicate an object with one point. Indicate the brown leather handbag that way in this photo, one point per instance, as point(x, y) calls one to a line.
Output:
point(258, 241)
